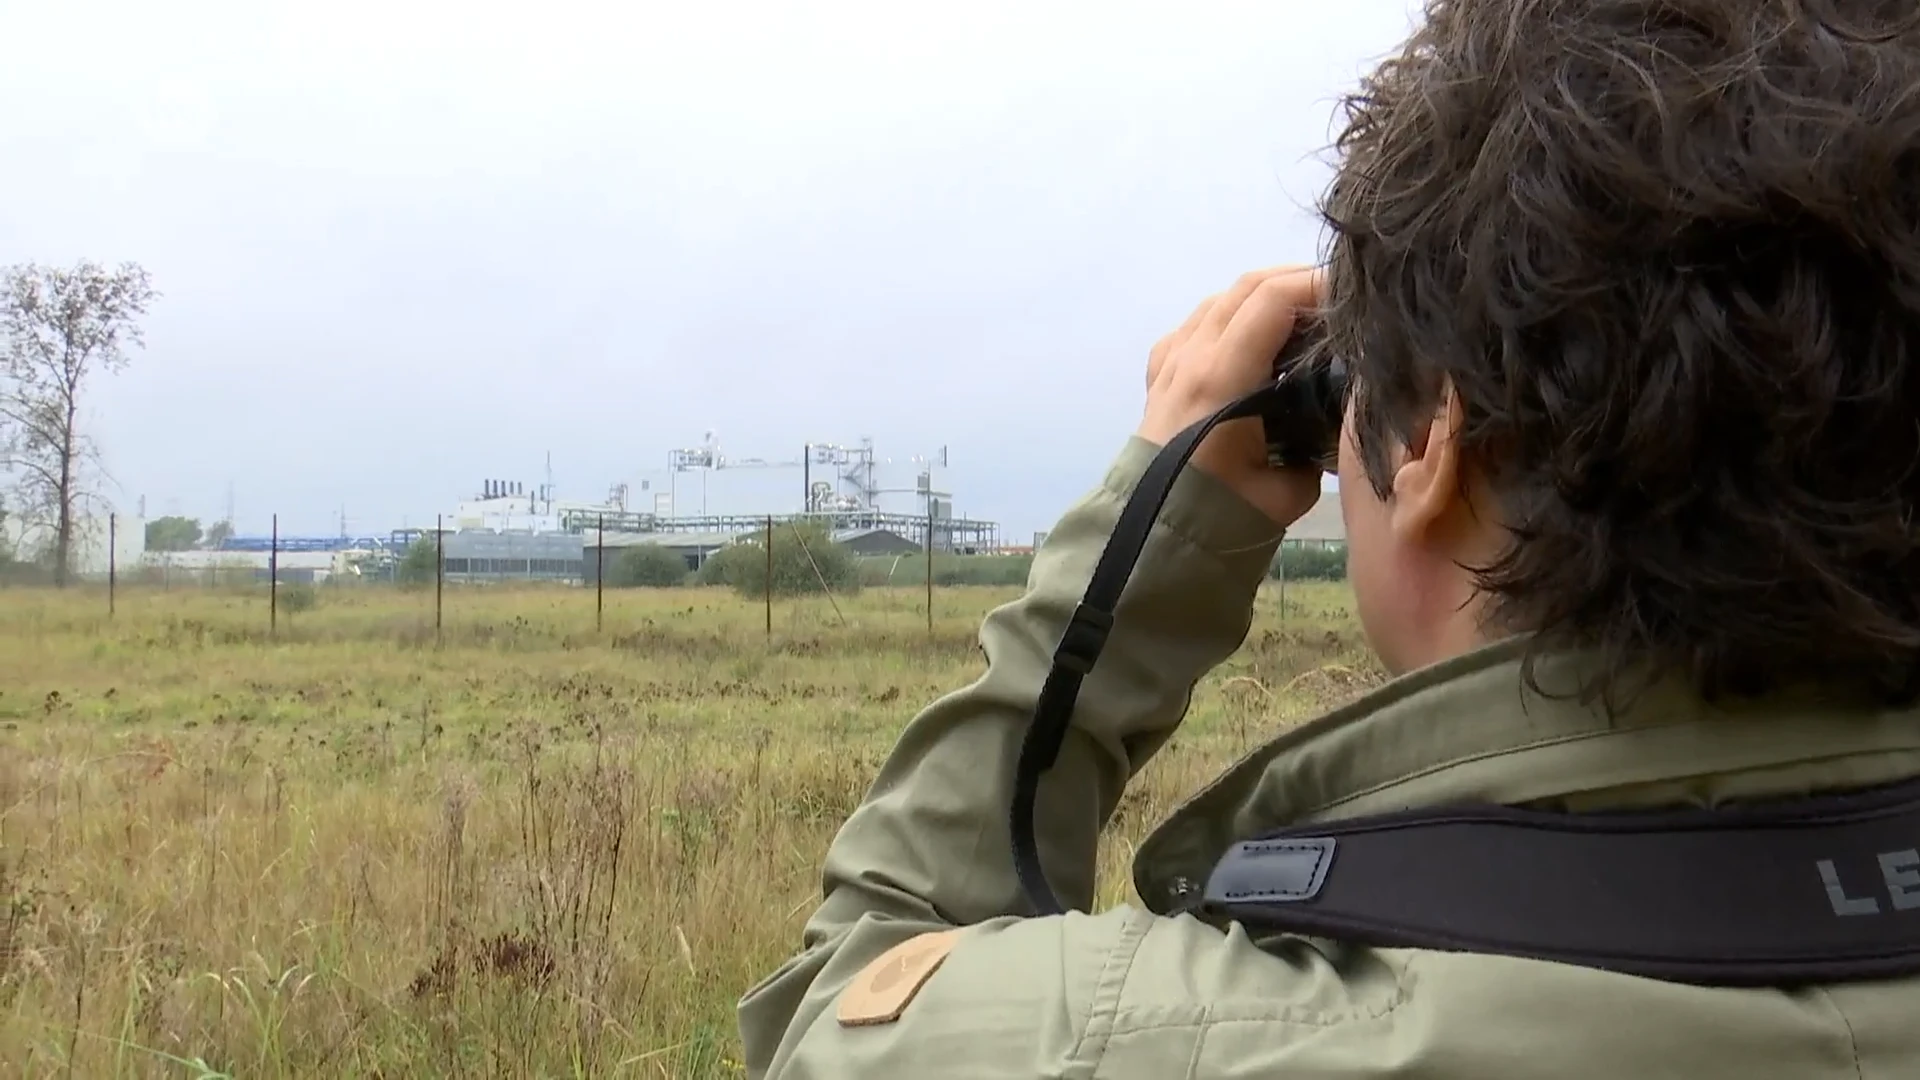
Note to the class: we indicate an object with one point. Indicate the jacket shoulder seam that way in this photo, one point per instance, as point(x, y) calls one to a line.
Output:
point(1218, 1014)
point(1104, 1010)
point(1853, 1038)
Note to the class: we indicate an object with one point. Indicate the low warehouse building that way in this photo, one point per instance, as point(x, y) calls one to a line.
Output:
point(876, 542)
point(480, 556)
point(694, 547)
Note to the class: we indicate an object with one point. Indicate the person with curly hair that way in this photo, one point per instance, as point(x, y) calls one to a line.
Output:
point(1629, 296)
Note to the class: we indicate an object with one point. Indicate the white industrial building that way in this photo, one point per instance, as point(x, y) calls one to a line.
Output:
point(91, 556)
point(1323, 526)
point(216, 566)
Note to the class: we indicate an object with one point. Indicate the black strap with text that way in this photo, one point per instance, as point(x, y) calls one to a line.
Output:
point(1816, 890)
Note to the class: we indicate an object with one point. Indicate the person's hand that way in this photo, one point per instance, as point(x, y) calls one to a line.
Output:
point(1224, 350)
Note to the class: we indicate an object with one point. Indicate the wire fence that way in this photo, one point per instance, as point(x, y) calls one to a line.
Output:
point(289, 577)
point(780, 562)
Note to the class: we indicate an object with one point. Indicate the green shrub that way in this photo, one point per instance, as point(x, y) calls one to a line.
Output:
point(420, 565)
point(805, 560)
point(648, 566)
point(297, 597)
point(719, 567)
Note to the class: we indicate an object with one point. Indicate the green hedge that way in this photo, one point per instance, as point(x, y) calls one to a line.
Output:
point(948, 570)
point(648, 566)
point(1301, 563)
point(1310, 563)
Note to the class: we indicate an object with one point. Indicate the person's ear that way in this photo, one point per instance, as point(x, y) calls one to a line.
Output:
point(1426, 480)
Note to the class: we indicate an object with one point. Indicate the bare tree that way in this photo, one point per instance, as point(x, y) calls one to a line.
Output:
point(59, 327)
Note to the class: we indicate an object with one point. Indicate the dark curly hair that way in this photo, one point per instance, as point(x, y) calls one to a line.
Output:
point(1667, 252)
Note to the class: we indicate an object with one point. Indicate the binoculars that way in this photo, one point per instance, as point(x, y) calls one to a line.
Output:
point(1302, 415)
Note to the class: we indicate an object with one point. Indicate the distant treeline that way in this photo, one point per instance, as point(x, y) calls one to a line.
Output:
point(1298, 563)
point(947, 569)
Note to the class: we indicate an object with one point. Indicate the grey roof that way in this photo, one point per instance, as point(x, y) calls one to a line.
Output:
point(849, 535)
point(688, 541)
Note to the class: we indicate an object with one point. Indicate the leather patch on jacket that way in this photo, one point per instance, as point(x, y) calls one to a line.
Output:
point(884, 988)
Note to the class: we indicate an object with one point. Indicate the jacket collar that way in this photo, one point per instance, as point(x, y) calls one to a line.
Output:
point(1468, 730)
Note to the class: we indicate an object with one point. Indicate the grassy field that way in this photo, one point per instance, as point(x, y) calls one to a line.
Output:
point(524, 848)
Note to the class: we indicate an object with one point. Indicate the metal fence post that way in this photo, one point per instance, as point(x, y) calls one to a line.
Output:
point(1283, 582)
point(439, 572)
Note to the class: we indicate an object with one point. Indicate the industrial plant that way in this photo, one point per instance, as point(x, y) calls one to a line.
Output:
point(510, 530)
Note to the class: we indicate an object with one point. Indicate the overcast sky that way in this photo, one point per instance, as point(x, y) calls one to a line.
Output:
point(408, 245)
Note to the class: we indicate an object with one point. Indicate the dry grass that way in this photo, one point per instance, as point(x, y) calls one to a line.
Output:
point(529, 848)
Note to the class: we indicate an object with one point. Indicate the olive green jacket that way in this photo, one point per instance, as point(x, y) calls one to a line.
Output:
point(1142, 995)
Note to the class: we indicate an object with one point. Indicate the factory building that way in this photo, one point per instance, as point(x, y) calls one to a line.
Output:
point(508, 530)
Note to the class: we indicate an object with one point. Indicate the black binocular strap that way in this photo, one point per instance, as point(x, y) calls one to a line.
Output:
point(1086, 634)
point(1816, 890)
